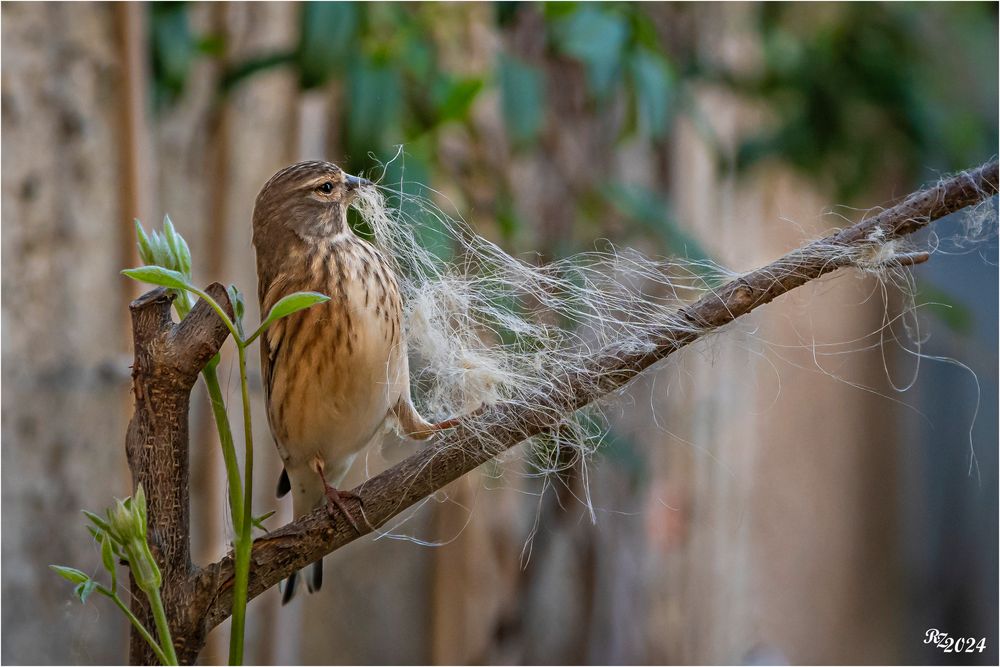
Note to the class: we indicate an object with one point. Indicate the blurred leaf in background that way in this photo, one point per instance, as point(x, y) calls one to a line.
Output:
point(653, 84)
point(328, 41)
point(959, 317)
point(453, 96)
point(851, 90)
point(523, 100)
point(596, 36)
point(174, 49)
point(652, 211)
point(859, 88)
point(374, 106)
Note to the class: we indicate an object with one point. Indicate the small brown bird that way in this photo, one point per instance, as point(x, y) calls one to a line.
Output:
point(335, 372)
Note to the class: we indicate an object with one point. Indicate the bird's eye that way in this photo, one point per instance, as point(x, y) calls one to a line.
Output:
point(326, 188)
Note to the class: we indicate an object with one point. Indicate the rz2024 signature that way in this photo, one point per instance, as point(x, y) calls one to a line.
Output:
point(950, 644)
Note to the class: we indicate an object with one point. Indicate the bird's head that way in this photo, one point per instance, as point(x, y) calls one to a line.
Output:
point(307, 200)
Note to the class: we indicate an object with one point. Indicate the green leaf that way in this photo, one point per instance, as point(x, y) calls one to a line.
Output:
point(507, 221)
point(145, 250)
point(644, 31)
point(654, 85)
point(294, 303)
point(173, 49)
point(416, 58)
point(178, 248)
point(84, 590)
point(597, 38)
point(99, 535)
point(157, 275)
point(374, 106)
point(213, 45)
point(506, 11)
point(236, 299)
point(258, 521)
point(107, 553)
point(522, 100)
point(236, 74)
point(159, 250)
point(108, 558)
point(454, 97)
point(70, 574)
point(326, 42)
point(139, 504)
point(97, 520)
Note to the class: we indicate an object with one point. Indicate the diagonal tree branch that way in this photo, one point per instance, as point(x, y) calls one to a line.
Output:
point(297, 544)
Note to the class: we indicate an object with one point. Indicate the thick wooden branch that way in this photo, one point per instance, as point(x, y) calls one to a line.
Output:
point(168, 358)
point(292, 547)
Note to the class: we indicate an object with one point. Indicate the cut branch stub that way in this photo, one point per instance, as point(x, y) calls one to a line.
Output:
point(168, 358)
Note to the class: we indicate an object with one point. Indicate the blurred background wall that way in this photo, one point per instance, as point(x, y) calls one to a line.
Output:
point(766, 496)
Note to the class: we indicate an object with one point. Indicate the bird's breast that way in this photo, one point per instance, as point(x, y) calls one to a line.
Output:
point(339, 369)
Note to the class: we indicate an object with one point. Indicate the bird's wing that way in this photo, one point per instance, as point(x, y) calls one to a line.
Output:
point(270, 342)
point(270, 347)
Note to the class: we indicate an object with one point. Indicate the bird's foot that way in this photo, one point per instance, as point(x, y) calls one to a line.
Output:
point(455, 421)
point(446, 424)
point(335, 501)
point(415, 426)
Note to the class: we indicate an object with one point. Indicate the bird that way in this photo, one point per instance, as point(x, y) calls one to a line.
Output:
point(336, 373)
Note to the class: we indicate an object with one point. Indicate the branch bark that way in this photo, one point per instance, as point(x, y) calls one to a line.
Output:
point(297, 544)
point(169, 357)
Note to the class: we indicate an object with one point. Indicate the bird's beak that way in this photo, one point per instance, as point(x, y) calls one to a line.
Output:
point(355, 182)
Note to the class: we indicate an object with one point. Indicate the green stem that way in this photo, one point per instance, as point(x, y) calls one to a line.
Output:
point(256, 334)
point(226, 439)
point(238, 627)
point(162, 627)
point(248, 427)
point(183, 304)
point(139, 627)
point(240, 500)
point(244, 540)
point(218, 309)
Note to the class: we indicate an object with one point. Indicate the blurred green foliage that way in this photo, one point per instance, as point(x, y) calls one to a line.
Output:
point(852, 89)
point(174, 50)
point(949, 310)
point(854, 94)
point(867, 86)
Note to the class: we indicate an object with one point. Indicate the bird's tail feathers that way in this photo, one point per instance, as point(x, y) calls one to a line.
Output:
point(284, 485)
point(315, 582)
point(291, 583)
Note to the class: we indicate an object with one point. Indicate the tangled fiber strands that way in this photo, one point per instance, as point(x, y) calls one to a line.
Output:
point(486, 328)
point(523, 387)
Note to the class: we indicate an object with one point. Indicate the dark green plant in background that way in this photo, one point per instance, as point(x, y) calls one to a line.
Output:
point(849, 91)
point(870, 86)
point(852, 90)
